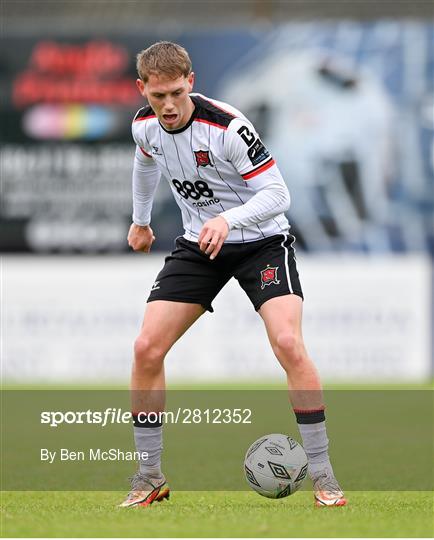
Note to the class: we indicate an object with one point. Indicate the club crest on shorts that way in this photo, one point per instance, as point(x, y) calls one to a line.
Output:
point(202, 158)
point(269, 276)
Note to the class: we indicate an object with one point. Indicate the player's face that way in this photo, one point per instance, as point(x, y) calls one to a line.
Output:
point(169, 98)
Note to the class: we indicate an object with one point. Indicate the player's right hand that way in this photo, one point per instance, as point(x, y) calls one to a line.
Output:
point(140, 238)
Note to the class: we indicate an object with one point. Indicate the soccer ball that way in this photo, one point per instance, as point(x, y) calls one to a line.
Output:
point(275, 466)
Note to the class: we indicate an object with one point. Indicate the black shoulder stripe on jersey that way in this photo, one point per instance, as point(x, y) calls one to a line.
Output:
point(144, 112)
point(211, 113)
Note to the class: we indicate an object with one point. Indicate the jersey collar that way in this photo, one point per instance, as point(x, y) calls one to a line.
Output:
point(187, 125)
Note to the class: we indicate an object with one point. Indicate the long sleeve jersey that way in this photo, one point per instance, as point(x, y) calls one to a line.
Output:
point(215, 165)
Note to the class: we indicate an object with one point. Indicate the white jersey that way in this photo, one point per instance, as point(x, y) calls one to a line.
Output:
point(215, 165)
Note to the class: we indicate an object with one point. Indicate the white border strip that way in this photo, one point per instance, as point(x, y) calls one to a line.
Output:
point(285, 236)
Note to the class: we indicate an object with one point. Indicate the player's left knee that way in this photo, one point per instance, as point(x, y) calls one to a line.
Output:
point(290, 345)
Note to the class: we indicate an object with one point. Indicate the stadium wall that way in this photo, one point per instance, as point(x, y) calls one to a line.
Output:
point(69, 319)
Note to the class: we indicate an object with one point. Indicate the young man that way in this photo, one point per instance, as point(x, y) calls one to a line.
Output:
point(232, 199)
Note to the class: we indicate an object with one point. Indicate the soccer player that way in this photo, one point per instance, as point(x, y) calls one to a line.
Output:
point(232, 199)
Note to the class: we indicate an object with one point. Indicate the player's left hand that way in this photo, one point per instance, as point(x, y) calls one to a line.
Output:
point(213, 234)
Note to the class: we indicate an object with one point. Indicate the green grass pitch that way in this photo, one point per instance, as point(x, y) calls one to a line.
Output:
point(233, 513)
point(216, 514)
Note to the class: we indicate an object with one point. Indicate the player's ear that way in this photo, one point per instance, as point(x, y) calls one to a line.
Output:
point(190, 80)
point(141, 87)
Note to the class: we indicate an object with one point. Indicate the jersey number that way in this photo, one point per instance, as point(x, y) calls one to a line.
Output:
point(197, 190)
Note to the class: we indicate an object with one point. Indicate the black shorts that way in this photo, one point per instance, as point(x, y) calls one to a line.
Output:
point(264, 269)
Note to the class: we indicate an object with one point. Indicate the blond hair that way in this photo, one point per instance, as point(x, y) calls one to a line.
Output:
point(165, 58)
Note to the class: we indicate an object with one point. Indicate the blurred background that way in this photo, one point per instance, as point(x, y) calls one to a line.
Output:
point(341, 93)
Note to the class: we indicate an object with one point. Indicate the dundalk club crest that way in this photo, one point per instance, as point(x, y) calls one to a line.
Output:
point(202, 158)
point(269, 276)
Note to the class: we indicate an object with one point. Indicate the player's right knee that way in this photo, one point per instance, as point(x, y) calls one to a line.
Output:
point(147, 353)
